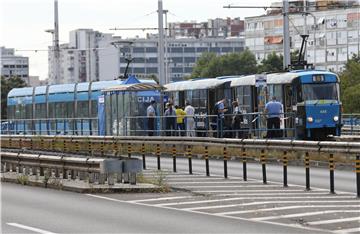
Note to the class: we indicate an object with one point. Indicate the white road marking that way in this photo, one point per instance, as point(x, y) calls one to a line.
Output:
point(349, 230)
point(304, 214)
point(229, 186)
point(267, 202)
point(287, 208)
point(239, 198)
point(38, 230)
point(159, 199)
point(296, 226)
point(333, 221)
point(210, 182)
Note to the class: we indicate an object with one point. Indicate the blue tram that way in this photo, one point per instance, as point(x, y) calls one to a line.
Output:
point(58, 109)
point(310, 98)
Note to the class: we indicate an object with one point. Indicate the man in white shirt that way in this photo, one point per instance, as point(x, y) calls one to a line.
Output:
point(151, 114)
point(190, 122)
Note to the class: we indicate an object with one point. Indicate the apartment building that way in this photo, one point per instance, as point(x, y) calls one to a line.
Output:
point(334, 34)
point(13, 65)
point(79, 59)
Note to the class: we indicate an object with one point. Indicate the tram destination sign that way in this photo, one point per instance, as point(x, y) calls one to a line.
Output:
point(260, 80)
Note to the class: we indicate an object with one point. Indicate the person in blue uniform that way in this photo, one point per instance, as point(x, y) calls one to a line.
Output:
point(273, 111)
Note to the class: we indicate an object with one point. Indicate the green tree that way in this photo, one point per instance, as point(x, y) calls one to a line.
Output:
point(272, 63)
point(8, 84)
point(210, 65)
point(350, 86)
point(202, 64)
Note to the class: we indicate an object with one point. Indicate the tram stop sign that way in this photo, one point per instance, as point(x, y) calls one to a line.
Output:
point(260, 80)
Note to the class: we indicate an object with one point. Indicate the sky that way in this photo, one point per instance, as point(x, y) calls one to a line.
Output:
point(23, 22)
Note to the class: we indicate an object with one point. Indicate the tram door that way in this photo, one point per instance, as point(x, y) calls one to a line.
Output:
point(288, 117)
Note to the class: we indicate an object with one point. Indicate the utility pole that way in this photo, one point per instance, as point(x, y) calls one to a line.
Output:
point(161, 44)
point(286, 33)
point(56, 45)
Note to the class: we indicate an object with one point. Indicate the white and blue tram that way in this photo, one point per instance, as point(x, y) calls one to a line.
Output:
point(311, 100)
point(58, 109)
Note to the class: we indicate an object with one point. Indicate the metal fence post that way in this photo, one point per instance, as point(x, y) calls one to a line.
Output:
point(129, 150)
point(143, 155)
point(189, 153)
point(174, 157)
point(207, 161)
point(331, 167)
point(285, 162)
point(244, 164)
point(357, 171)
point(225, 163)
point(158, 156)
point(307, 170)
point(263, 163)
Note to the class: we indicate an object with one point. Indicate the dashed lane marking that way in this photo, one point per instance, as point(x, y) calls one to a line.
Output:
point(304, 214)
point(33, 229)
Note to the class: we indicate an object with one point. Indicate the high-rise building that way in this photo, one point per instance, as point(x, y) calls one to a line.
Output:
point(334, 34)
point(79, 59)
point(13, 65)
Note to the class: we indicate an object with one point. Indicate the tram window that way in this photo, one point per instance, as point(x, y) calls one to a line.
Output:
point(70, 109)
point(40, 110)
point(28, 111)
point(11, 112)
point(83, 109)
point(94, 110)
point(60, 110)
point(52, 110)
point(20, 111)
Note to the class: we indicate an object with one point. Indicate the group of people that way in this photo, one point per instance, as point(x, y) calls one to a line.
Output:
point(179, 121)
point(273, 111)
point(176, 119)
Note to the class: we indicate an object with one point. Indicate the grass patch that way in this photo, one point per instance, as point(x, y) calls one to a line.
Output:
point(159, 179)
point(23, 179)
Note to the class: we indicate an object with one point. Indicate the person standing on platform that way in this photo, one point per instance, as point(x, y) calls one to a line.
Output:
point(151, 117)
point(180, 115)
point(170, 120)
point(237, 118)
point(190, 122)
point(273, 110)
point(220, 112)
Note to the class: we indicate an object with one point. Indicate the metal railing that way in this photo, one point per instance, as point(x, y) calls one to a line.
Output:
point(239, 149)
point(92, 169)
point(253, 125)
point(351, 124)
point(51, 126)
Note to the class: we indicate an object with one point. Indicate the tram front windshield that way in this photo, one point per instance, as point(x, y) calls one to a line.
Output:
point(324, 91)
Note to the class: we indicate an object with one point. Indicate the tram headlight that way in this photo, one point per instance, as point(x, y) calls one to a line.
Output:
point(310, 119)
point(336, 118)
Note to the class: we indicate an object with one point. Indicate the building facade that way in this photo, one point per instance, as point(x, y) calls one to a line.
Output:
point(334, 34)
point(180, 58)
point(14, 65)
point(212, 28)
point(79, 59)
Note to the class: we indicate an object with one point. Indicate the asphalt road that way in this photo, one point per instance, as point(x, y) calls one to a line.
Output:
point(345, 180)
point(28, 209)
